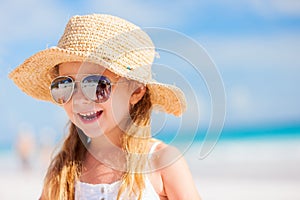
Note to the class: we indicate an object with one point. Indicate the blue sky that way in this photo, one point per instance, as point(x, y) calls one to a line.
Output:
point(255, 45)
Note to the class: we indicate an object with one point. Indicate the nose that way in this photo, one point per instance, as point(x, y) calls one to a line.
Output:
point(78, 97)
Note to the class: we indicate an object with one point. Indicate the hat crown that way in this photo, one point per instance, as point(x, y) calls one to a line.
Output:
point(110, 39)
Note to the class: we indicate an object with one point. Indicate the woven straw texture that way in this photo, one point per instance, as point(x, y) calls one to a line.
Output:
point(110, 41)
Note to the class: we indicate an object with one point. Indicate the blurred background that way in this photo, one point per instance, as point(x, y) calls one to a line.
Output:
point(254, 44)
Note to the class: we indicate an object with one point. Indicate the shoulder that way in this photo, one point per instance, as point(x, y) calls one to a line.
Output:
point(163, 155)
point(174, 171)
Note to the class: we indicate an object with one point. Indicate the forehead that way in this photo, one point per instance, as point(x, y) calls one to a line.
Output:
point(81, 68)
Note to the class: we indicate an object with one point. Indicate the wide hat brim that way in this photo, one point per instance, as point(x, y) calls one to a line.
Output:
point(34, 77)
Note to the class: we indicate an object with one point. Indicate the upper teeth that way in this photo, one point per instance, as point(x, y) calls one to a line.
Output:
point(88, 114)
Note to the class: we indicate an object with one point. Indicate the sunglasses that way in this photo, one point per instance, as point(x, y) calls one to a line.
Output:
point(96, 88)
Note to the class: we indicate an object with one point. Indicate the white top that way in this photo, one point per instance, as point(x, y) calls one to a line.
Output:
point(86, 191)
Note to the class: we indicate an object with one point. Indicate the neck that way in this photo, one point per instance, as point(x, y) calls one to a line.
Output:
point(107, 140)
point(107, 149)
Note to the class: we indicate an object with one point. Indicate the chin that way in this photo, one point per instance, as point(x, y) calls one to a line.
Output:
point(92, 132)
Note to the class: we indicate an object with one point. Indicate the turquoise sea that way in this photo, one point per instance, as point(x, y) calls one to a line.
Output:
point(265, 133)
point(273, 132)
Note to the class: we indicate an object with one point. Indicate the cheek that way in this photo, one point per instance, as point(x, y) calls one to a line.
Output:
point(69, 111)
point(120, 105)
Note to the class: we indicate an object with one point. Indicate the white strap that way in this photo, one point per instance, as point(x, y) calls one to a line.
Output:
point(154, 147)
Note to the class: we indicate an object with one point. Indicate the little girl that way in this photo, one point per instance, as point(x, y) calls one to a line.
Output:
point(100, 73)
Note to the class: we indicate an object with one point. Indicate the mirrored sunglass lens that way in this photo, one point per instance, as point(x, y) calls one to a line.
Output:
point(61, 89)
point(97, 88)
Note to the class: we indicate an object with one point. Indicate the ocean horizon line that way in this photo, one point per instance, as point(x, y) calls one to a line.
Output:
point(274, 132)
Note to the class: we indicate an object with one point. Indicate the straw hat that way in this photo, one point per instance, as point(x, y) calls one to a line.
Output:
point(115, 43)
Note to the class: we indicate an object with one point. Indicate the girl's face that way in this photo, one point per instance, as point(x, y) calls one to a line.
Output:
point(97, 118)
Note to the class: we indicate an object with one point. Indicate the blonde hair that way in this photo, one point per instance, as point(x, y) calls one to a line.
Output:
point(65, 168)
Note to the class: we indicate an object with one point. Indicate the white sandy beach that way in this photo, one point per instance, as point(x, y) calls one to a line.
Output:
point(246, 170)
point(235, 170)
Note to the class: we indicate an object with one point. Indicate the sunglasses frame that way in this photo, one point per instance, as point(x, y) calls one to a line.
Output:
point(80, 82)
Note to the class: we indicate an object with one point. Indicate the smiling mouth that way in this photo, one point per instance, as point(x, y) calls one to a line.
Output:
point(91, 116)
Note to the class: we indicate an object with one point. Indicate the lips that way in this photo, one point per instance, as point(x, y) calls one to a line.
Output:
point(90, 116)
